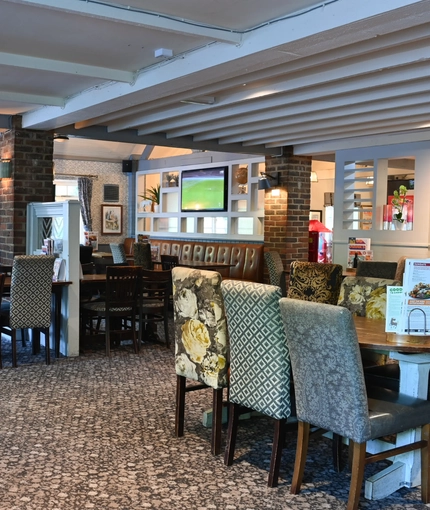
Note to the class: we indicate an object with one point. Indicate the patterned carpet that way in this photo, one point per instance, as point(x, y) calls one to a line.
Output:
point(97, 433)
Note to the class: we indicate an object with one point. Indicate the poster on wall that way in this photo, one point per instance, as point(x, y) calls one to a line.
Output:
point(111, 219)
point(92, 239)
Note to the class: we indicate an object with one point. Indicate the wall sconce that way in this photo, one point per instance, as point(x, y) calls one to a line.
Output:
point(60, 138)
point(264, 182)
point(5, 168)
point(276, 192)
point(314, 177)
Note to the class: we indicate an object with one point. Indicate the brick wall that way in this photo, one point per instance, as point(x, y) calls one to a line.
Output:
point(286, 218)
point(31, 154)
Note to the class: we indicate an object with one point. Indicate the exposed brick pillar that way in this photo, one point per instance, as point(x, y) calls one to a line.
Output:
point(286, 218)
point(31, 154)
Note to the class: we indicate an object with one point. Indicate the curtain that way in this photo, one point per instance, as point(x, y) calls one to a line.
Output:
point(85, 191)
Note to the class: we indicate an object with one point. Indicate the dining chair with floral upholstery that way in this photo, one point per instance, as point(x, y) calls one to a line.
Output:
point(312, 281)
point(367, 297)
point(259, 362)
point(334, 396)
point(201, 343)
point(30, 299)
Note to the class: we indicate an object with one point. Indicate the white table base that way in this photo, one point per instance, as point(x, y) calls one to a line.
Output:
point(406, 469)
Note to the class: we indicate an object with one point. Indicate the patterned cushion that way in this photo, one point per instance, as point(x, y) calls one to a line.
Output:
point(118, 253)
point(312, 281)
point(31, 289)
point(365, 297)
point(260, 363)
point(201, 339)
point(376, 269)
point(274, 266)
point(142, 255)
point(100, 306)
point(327, 369)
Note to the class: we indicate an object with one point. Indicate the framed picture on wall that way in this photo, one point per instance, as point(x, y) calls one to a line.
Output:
point(315, 215)
point(111, 219)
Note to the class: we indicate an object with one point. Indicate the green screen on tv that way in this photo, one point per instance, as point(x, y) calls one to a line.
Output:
point(204, 189)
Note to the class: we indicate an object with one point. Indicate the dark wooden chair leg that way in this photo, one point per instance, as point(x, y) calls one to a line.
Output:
point(357, 475)
point(278, 443)
point(233, 420)
point(301, 453)
point(337, 452)
point(216, 421)
point(425, 462)
point(47, 346)
point(180, 405)
point(13, 340)
point(107, 334)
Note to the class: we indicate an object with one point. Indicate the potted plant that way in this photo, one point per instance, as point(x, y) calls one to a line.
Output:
point(400, 205)
point(153, 194)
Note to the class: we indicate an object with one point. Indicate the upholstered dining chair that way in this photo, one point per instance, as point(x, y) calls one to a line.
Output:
point(2, 279)
point(367, 297)
point(154, 291)
point(335, 398)
point(276, 270)
point(142, 255)
point(201, 343)
point(169, 261)
point(119, 308)
point(376, 269)
point(259, 362)
point(118, 253)
point(30, 299)
point(312, 281)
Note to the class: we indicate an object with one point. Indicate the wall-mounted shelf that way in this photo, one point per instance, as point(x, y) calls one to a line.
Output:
point(243, 218)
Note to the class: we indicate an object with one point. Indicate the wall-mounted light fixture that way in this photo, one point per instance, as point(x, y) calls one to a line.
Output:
point(314, 177)
point(5, 168)
point(276, 192)
point(266, 181)
point(60, 138)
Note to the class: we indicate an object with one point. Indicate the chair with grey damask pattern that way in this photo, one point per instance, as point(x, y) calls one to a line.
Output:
point(30, 299)
point(201, 343)
point(276, 270)
point(259, 362)
point(334, 397)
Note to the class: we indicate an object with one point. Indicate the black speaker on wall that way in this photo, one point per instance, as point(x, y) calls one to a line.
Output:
point(127, 166)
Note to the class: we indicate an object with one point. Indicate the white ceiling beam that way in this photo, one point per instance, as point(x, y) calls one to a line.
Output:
point(332, 145)
point(30, 99)
point(237, 103)
point(214, 87)
point(409, 93)
point(330, 117)
point(369, 18)
point(339, 128)
point(134, 17)
point(57, 66)
point(349, 134)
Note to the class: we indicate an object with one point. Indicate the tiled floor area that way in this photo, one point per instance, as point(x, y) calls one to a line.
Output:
point(97, 433)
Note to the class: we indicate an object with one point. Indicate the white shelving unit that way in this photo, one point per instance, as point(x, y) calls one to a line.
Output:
point(243, 219)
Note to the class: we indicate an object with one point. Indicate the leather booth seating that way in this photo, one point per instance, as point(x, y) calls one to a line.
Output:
point(247, 259)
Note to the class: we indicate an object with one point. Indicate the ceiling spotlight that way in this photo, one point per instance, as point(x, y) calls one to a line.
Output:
point(61, 138)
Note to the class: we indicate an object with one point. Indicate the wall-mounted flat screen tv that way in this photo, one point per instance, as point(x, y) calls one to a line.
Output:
point(204, 189)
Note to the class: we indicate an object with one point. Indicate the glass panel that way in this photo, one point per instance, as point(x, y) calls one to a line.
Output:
point(216, 225)
point(245, 226)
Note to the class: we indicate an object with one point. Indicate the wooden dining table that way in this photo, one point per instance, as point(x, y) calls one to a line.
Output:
point(413, 355)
